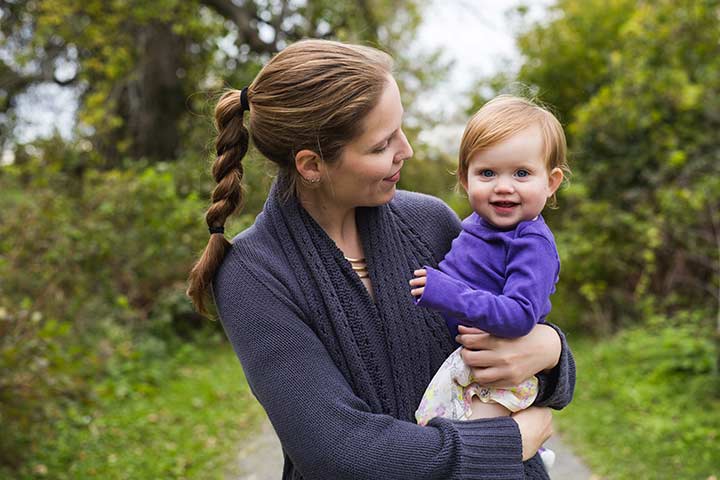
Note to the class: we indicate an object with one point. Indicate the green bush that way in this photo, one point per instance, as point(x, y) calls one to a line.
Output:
point(647, 402)
point(93, 266)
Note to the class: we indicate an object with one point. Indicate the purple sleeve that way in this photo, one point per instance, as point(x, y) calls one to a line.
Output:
point(531, 274)
point(323, 426)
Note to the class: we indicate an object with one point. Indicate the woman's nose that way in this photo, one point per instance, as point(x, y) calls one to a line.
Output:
point(406, 150)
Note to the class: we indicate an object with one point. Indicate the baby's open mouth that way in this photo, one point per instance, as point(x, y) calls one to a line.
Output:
point(504, 204)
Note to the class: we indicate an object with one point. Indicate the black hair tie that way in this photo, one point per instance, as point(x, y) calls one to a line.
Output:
point(216, 230)
point(244, 103)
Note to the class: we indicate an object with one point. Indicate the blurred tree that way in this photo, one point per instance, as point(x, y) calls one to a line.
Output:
point(564, 60)
point(580, 41)
point(650, 133)
point(136, 63)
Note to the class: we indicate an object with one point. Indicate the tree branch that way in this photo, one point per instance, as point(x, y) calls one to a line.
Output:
point(369, 18)
point(242, 16)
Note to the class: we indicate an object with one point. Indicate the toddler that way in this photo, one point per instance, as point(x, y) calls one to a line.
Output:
point(503, 267)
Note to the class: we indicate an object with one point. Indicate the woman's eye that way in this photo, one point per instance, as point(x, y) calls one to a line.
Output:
point(382, 147)
point(522, 173)
point(385, 145)
point(486, 173)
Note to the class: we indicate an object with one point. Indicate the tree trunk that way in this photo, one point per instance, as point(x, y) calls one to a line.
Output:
point(152, 99)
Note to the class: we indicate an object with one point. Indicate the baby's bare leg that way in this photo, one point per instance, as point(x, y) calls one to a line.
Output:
point(481, 409)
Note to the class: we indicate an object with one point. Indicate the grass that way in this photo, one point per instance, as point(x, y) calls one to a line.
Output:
point(189, 426)
point(647, 405)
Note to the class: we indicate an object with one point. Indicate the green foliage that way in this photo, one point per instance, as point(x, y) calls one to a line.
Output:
point(568, 59)
point(93, 266)
point(190, 407)
point(651, 411)
point(121, 236)
point(142, 67)
point(602, 247)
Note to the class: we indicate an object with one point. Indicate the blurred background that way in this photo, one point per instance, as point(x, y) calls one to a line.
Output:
point(106, 141)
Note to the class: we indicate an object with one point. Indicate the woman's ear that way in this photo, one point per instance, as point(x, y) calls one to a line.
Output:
point(309, 165)
point(554, 180)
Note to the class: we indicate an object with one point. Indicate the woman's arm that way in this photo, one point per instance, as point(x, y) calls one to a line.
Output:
point(504, 362)
point(325, 429)
point(535, 424)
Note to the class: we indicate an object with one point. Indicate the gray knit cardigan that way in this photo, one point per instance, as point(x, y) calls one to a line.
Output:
point(340, 375)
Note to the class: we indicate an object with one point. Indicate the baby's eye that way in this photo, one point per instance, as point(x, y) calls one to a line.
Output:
point(486, 173)
point(522, 173)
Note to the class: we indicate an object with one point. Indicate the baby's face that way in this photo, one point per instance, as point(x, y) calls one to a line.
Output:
point(509, 182)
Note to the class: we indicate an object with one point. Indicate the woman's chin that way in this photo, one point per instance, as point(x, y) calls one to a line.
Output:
point(379, 197)
point(386, 196)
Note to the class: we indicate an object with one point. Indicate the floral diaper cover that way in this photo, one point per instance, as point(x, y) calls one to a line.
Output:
point(450, 393)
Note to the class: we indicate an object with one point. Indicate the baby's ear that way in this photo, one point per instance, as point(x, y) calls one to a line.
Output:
point(462, 179)
point(554, 180)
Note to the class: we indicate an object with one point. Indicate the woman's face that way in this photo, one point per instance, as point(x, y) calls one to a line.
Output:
point(369, 167)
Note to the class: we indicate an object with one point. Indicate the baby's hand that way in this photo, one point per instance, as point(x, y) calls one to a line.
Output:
point(418, 282)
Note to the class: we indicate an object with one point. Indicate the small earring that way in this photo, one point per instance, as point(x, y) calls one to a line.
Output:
point(311, 180)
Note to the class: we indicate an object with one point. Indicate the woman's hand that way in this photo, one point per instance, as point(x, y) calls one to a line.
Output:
point(535, 424)
point(505, 362)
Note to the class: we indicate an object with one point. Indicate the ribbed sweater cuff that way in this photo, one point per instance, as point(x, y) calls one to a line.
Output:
point(556, 387)
point(491, 449)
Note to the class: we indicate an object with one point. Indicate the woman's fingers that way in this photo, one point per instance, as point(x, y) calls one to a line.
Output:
point(486, 376)
point(479, 358)
point(498, 377)
point(474, 339)
point(489, 369)
point(493, 368)
point(464, 329)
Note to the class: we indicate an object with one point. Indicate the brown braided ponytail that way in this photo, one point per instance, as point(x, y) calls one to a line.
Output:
point(231, 146)
point(312, 95)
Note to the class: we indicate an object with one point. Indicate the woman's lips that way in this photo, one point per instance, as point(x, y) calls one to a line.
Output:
point(393, 178)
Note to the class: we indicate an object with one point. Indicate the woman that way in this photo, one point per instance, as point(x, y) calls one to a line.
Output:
point(314, 295)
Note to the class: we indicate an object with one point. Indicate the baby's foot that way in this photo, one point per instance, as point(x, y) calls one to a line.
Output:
point(548, 457)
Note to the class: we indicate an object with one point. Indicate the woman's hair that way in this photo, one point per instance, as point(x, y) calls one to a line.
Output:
point(312, 95)
point(503, 117)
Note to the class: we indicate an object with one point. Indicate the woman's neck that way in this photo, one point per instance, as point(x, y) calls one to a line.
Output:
point(337, 221)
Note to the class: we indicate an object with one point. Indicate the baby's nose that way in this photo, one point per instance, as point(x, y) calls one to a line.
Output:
point(504, 186)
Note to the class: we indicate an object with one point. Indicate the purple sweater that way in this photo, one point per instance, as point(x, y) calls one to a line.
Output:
point(341, 394)
point(496, 280)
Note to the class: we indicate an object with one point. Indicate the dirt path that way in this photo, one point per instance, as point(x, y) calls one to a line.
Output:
point(568, 466)
point(261, 459)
